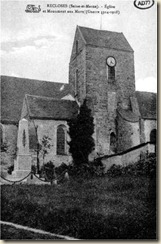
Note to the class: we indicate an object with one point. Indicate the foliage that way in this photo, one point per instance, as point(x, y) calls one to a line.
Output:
point(10, 169)
point(33, 169)
point(92, 169)
point(146, 166)
point(44, 146)
point(97, 167)
point(48, 171)
point(8, 154)
point(60, 169)
point(81, 130)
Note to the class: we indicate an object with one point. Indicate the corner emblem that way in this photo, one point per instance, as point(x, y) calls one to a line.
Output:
point(143, 4)
point(30, 8)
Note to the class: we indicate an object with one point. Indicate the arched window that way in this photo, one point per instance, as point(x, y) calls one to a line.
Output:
point(153, 136)
point(111, 73)
point(61, 140)
point(113, 142)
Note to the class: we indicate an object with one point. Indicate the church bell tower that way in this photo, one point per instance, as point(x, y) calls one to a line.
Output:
point(101, 70)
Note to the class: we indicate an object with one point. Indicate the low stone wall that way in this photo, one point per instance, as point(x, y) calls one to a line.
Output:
point(128, 157)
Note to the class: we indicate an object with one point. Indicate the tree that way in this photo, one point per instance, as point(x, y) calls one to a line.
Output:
point(81, 130)
point(45, 146)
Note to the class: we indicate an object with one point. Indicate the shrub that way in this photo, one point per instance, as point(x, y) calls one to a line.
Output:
point(33, 169)
point(60, 169)
point(49, 171)
point(10, 169)
point(95, 168)
point(146, 167)
point(6, 161)
point(115, 170)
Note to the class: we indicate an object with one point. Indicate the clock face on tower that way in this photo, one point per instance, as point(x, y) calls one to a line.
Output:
point(111, 61)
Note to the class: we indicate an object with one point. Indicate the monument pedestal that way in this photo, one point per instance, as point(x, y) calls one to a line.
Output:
point(22, 166)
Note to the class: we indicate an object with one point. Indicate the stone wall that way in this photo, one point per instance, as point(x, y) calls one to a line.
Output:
point(149, 125)
point(96, 70)
point(49, 128)
point(146, 126)
point(78, 64)
point(128, 134)
point(106, 94)
point(129, 157)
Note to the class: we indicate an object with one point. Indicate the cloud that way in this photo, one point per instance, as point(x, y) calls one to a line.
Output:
point(2, 53)
point(33, 42)
point(147, 84)
point(38, 42)
point(25, 49)
point(44, 42)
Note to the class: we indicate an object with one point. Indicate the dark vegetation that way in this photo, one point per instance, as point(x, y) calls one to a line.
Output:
point(8, 155)
point(12, 233)
point(145, 166)
point(113, 206)
point(81, 130)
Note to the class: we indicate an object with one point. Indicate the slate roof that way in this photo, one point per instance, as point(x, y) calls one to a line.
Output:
point(50, 108)
point(147, 107)
point(13, 91)
point(104, 38)
point(128, 115)
point(147, 102)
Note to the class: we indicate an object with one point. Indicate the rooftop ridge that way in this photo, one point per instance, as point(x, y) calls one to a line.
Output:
point(47, 98)
point(23, 78)
point(84, 27)
point(146, 92)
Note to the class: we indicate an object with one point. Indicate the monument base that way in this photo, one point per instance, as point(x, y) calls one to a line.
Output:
point(20, 174)
point(23, 162)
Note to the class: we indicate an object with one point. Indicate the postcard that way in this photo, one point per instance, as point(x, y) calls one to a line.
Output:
point(78, 120)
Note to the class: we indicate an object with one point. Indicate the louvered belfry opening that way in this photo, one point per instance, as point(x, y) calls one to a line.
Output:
point(61, 140)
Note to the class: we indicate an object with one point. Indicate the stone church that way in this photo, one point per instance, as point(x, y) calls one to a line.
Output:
point(101, 70)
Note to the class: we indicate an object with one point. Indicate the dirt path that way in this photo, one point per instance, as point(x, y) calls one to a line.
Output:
point(37, 231)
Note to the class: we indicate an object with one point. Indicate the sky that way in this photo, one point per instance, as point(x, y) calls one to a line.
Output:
point(38, 45)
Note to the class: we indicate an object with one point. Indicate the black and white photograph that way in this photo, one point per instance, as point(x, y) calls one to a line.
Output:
point(78, 125)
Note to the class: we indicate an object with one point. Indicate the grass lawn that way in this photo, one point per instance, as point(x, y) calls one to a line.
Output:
point(99, 208)
point(10, 232)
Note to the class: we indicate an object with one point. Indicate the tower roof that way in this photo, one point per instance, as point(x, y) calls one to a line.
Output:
point(104, 38)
